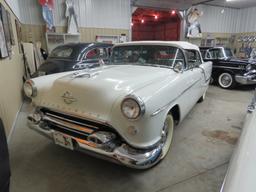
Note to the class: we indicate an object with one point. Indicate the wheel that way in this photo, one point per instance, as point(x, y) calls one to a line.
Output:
point(226, 80)
point(167, 134)
point(202, 98)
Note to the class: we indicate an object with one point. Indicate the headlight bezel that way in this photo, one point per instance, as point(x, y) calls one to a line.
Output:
point(248, 67)
point(32, 87)
point(139, 103)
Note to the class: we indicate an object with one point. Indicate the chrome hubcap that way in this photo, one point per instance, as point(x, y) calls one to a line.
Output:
point(226, 80)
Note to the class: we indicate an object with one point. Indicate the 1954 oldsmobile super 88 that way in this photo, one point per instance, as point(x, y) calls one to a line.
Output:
point(242, 169)
point(124, 111)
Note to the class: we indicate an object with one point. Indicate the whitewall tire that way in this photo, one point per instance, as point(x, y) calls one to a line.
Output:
point(226, 80)
point(167, 134)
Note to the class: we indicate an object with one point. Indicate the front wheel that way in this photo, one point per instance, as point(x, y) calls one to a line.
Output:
point(226, 80)
point(167, 134)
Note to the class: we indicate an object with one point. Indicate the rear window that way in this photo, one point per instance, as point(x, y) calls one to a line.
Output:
point(62, 52)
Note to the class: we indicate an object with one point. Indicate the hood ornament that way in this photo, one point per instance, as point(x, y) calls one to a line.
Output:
point(68, 98)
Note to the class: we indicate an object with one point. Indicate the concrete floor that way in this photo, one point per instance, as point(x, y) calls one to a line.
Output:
point(197, 162)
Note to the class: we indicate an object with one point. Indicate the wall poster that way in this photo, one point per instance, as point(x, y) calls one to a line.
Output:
point(3, 46)
point(6, 30)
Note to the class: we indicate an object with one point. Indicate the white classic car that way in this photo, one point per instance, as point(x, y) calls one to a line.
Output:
point(124, 111)
point(241, 173)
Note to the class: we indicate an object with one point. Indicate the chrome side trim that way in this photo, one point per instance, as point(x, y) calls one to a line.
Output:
point(168, 104)
point(223, 67)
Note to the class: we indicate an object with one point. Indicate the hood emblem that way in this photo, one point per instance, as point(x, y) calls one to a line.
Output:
point(68, 98)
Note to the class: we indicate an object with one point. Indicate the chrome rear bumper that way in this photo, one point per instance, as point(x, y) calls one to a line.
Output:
point(247, 79)
point(115, 150)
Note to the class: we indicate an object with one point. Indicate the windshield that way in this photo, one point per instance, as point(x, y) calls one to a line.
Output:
point(228, 52)
point(161, 56)
point(62, 52)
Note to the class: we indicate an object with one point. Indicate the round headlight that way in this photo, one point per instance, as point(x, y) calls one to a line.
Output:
point(30, 89)
point(132, 108)
point(248, 67)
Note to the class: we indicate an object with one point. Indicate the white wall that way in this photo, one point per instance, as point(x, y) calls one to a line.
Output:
point(247, 20)
point(216, 22)
point(14, 5)
point(113, 14)
point(230, 21)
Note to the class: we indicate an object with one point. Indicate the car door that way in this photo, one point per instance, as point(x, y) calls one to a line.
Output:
point(195, 74)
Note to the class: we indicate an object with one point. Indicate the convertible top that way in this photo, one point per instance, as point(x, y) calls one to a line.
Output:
point(180, 44)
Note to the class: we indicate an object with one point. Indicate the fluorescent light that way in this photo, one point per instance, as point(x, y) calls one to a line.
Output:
point(230, 0)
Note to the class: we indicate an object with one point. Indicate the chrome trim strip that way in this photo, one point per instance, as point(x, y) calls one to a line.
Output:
point(223, 67)
point(68, 125)
point(167, 105)
point(86, 117)
point(70, 121)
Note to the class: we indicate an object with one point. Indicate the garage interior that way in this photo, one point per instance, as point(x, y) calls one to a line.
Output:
point(155, 25)
point(203, 143)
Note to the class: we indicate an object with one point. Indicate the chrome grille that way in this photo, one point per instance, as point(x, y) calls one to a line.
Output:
point(72, 125)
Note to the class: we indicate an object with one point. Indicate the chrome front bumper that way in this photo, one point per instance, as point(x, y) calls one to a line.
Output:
point(121, 153)
point(247, 79)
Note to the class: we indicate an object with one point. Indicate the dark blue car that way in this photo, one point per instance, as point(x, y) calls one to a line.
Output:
point(75, 56)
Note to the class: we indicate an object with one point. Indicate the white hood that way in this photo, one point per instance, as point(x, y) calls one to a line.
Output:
point(95, 92)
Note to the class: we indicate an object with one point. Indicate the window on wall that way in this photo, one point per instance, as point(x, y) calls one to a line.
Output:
point(193, 58)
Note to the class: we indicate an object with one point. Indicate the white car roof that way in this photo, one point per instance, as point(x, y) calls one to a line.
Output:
point(180, 44)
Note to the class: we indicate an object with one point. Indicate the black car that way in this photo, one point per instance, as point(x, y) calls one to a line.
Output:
point(75, 56)
point(229, 71)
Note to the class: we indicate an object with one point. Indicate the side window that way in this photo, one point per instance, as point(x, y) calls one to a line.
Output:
point(97, 53)
point(193, 58)
point(208, 55)
point(215, 54)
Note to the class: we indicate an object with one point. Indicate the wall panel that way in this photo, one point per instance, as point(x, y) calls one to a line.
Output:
point(216, 22)
point(11, 72)
point(113, 14)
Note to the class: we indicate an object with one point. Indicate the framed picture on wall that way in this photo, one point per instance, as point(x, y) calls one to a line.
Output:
point(9, 19)
point(3, 47)
point(6, 30)
point(18, 30)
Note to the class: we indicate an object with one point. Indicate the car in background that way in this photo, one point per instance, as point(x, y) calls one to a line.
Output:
point(124, 111)
point(241, 173)
point(229, 71)
point(75, 56)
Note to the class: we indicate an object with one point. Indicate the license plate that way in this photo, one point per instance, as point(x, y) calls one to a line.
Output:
point(63, 140)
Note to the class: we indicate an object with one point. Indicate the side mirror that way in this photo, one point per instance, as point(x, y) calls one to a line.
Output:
point(178, 67)
point(101, 62)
